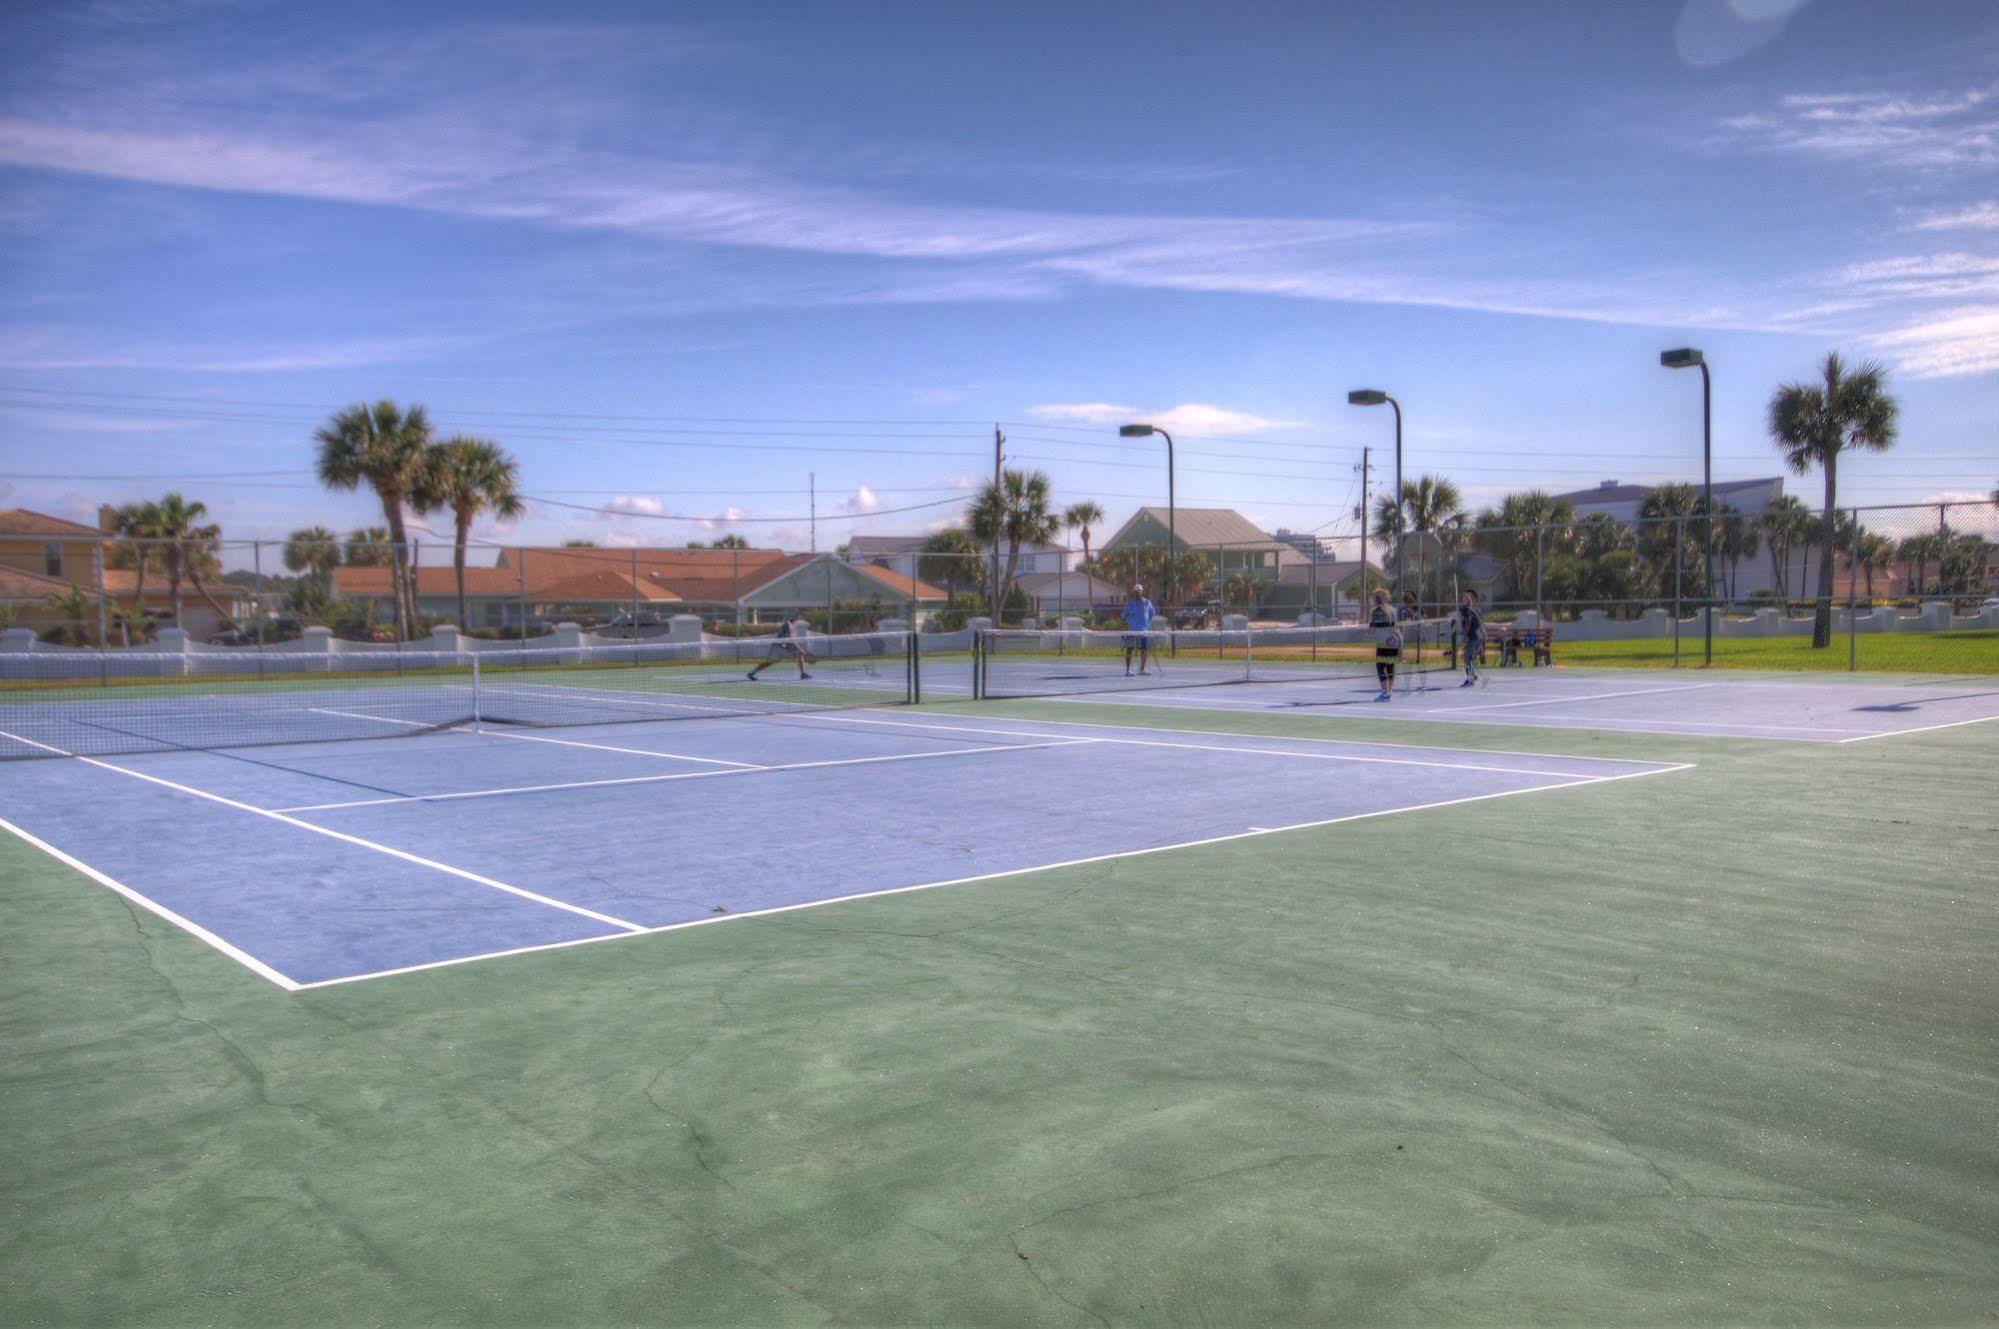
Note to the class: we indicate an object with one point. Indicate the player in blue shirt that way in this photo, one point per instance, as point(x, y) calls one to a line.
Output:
point(1138, 615)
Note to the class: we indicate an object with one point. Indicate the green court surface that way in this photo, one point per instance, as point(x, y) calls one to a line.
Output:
point(1716, 1047)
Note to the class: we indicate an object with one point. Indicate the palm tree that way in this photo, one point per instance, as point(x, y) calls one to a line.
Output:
point(73, 607)
point(313, 549)
point(1663, 515)
point(367, 547)
point(469, 476)
point(949, 558)
point(1872, 552)
point(1080, 517)
point(1015, 509)
point(188, 548)
point(1811, 424)
point(1923, 550)
point(1428, 503)
point(1521, 528)
point(1783, 520)
point(1736, 538)
point(386, 447)
point(138, 523)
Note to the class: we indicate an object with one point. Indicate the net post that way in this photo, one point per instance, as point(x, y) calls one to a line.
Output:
point(915, 652)
point(475, 691)
point(978, 665)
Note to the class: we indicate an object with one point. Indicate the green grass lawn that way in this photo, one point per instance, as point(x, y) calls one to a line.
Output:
point(1905, 652)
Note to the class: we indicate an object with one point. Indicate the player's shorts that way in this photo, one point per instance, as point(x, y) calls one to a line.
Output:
point(783, 648)
point(1137, 641)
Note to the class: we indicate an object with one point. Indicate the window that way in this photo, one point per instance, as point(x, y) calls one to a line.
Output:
point(52, 559)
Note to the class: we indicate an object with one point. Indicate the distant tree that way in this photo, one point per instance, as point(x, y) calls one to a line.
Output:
point(950, 558)
point(74, 608)
point(368, 547)
point(1080, 517)
point(1923, 551)
point(1812, 424)
point(1670, 538)
point(1736, 537)
point(1784, 522)
point(138, 525)
point(585, 544)
point(1872, 552)
point(313, 550)
point(1524, 526)
point(729, 542)
point(467, 476)
point(1245, 590)
point(187, 545)
point(1428, 503)
point(1013, 510)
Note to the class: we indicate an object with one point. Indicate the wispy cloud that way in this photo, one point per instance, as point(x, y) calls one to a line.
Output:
point(863, 499)
point(1191, 418)
point(637, 505)
point(1958, 130)
point(41, 351)
point(1976, 217)
point(1954, 343)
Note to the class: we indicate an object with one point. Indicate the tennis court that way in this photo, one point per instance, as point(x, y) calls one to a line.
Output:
point(337, 860)
point(613, 988)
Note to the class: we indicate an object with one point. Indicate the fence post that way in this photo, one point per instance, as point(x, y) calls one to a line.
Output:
point(103, 618)
point(1540, 563)
point(1679, 561)
point(257, 566)
point(1852, 598)
point(523, 579)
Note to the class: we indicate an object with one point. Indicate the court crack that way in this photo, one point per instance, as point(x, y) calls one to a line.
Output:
point(694, 1135)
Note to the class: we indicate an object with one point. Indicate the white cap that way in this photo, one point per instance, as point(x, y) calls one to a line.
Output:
point(1137, 587)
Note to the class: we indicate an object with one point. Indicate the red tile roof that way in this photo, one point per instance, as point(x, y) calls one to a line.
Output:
point(17, 586)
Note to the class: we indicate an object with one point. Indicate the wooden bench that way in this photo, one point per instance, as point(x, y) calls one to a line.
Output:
point(1502, 647)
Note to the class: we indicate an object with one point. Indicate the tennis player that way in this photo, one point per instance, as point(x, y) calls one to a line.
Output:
point(789, 644)
point(1138, 615)
point(1471, 633)
point(1387, 644)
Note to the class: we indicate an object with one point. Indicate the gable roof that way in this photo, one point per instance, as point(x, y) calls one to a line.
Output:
point(17, 585)
point(1611, 492)
point(874, 546)
point(22, 523)
point(1203, 526)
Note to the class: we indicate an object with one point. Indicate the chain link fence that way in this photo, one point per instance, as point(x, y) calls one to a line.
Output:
point(1899, 588)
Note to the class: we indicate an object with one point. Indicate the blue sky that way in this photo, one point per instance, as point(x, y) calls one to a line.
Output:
point(679, 257)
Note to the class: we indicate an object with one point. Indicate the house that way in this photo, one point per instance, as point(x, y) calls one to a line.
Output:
point(900, 553)
point(1623, 501)
point(1333, 588)
point(1068, 593)
point(42, 556)
point(744, 585)
point(1231, 541)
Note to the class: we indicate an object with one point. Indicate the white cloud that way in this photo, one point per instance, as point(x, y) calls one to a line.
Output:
point(963, 482)
point(1890, 130)
point(37, 350)
point(863, 499)
point(1192, 418)
point(1974, 217)
point(637, 505)
point(1956, 343)
point(729, 516)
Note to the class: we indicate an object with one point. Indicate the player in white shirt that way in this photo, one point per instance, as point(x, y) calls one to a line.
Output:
point(789, 644)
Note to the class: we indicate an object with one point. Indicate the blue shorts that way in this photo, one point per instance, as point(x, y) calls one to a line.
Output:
point(1137, 641)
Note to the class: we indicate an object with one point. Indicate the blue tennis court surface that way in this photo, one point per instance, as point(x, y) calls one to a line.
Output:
point(1811, 710)
point(329, 862)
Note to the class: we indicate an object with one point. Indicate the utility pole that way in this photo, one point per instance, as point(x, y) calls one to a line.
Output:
point(998, 609)
point(812, 488)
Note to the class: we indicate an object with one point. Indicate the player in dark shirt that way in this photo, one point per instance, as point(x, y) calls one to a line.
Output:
point(1387, 644)
point(1471, 632)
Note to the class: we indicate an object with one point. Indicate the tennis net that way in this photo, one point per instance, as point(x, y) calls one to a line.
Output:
point(1015, 663)
point(111, 703)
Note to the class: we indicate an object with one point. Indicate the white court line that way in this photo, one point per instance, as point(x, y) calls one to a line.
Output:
point(991, 876)
point(1921, 729)
point(1219, 733)
point(1065, 741)
point(1701, 728)
point(532, 738)
point(1217, 747)
point(187, 925)
point(1594, 696)
point(277, 816)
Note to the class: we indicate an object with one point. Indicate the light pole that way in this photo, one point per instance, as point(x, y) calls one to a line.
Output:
point(1172, 539)
point(1376, 397)
point(1686, 357)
